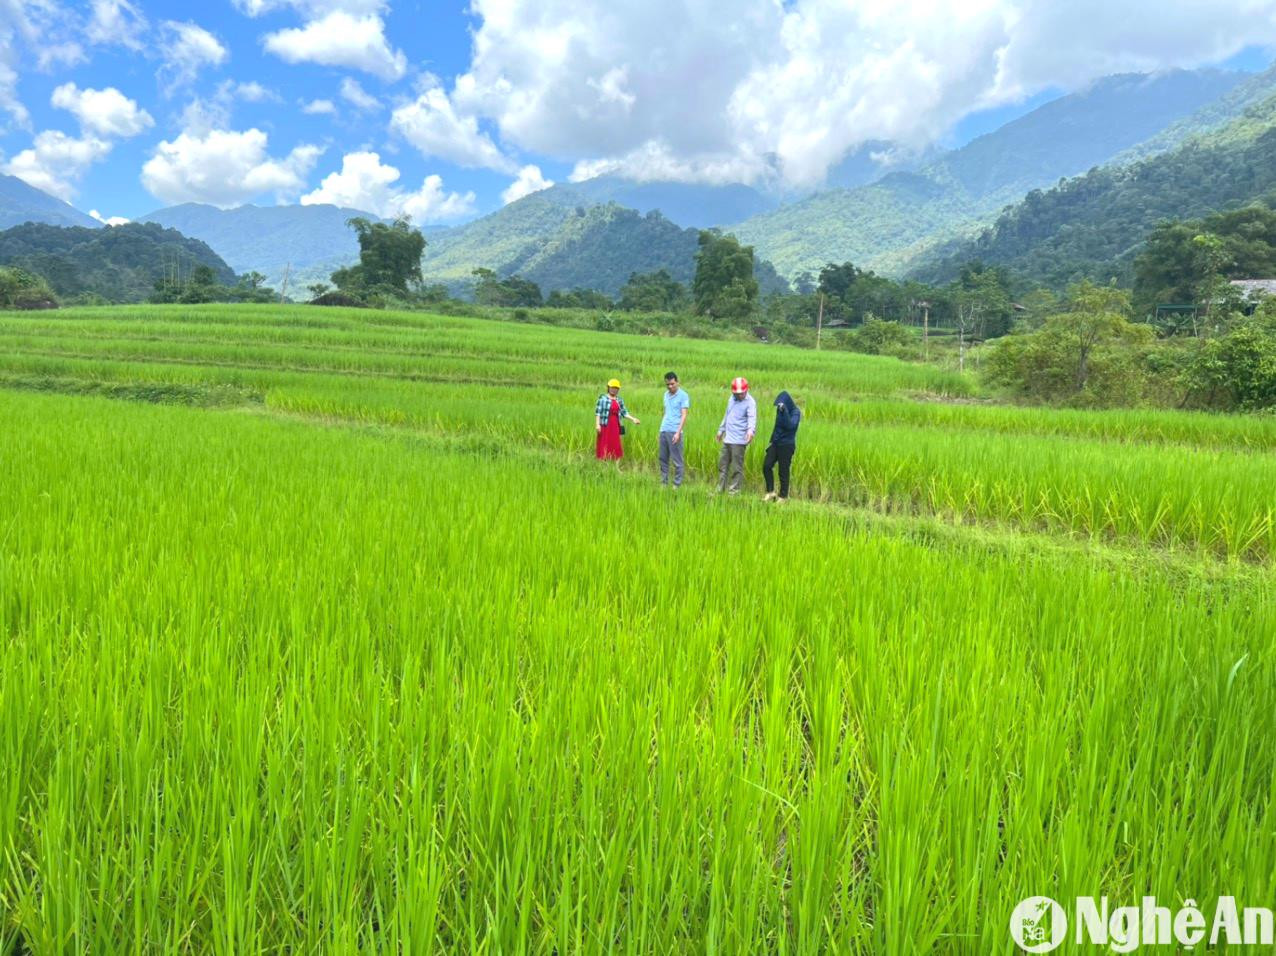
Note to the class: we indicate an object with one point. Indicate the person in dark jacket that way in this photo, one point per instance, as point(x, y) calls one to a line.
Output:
point(783, 443)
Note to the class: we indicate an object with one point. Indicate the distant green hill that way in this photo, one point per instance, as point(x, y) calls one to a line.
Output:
point(499, 241)
point(1252, 91)
point(889, 224)
point(119, 263)
point(704, 205)
point(20, 202)
point(1094, 225)
point(309, 241)
point(558, 245)
point(869, 163)
point(692, 205)
point(600, 247)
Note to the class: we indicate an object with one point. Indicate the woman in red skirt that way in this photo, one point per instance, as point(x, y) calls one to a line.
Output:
point(608, 414)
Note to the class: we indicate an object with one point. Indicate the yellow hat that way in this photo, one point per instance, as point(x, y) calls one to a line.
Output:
point(614, 383)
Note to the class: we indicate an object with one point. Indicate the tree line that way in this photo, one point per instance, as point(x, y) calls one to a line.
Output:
point(1181, 334)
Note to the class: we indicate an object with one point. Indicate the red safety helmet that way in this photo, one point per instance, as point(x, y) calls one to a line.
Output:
point(739, 385)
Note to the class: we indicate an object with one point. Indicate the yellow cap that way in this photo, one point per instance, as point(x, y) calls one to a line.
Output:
point(614, 383)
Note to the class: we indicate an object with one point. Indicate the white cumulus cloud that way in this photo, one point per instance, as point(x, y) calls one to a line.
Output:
point(201, 114)
point(1070, 44)
point(357, 96)
point(312, 8)
point(9, 100)
point(432, 203)
point(56, 162)
point(340, 39)
point(365, 183)
point(108, 220)
point(746, 89)
point(656, 160)
point(570, 79)
point(252, 92)
point(107, 112)
point(528, 181)
point(15, 28)
point(68, 53)
point(319, 108)
point(187, 49)
point(432, 124)
point(224, 168)
point(116, 23)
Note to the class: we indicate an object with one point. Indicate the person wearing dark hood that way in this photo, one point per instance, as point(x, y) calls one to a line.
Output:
point(783, 443)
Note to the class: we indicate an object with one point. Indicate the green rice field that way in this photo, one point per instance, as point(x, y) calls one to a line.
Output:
point(322, 631)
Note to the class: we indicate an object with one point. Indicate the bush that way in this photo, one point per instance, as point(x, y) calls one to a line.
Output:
point(798, 335)
point(20, 289)
point(339, 299)
point(1091, 356)
point(1236, 370)
point(699, 330)
point(458, 308)
point(1041, 366)
point(880, 337)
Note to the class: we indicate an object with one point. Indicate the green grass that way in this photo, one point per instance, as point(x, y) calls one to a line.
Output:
point(373, 657)
point(1190, 482)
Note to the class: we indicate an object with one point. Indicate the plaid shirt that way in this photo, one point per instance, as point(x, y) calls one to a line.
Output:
point(603, 408)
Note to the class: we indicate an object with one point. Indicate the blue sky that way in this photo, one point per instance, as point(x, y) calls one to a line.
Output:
point(447, 110)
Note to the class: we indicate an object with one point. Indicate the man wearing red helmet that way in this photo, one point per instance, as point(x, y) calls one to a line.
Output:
point(735, 433)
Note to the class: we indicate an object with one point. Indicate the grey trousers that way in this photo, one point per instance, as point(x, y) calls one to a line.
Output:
point(731, 459)
point(671, 450)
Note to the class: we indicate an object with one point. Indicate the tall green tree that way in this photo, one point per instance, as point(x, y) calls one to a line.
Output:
point(652, 292)
point(578, 298)
point(1095, 314)
point(987, 288)
point(513, 291)
point(1183, 262)
point(1091, 354)
point(1212, 258)
point(980, 302)
point(724, 286)
point(389, 256)
point(1167, 271)
point(851, 293)
point(837, 285)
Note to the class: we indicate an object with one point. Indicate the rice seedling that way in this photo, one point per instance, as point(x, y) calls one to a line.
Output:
point(310, 647)
point(273, 687)
point(1183, 481)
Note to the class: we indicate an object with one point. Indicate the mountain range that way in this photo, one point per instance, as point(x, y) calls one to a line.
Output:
point(21, 203)
point(560, 245)
point(305, 242)
point(1017, 196)
point(119, 264)
point(690, 205)
point(1093, 226)
point(887, 225)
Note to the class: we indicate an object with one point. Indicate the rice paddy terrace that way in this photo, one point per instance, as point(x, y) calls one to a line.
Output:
point(322, 631)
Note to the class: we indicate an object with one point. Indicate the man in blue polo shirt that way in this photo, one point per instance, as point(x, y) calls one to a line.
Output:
point(671, 444)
